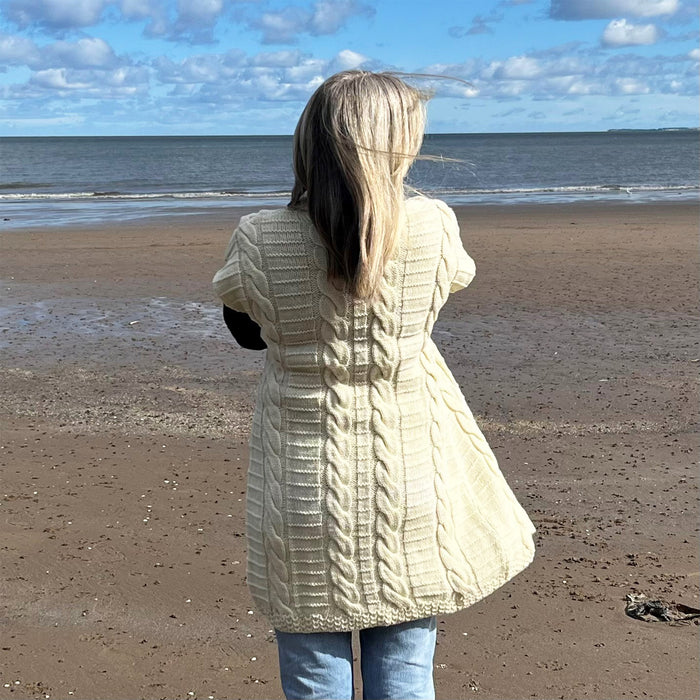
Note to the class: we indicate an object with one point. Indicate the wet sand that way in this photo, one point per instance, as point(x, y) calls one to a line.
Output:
point(125, 407)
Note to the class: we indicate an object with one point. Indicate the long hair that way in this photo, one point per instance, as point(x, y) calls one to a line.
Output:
point(353, 146)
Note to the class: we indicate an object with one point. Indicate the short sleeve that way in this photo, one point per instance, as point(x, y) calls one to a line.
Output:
point(228, 282)
point(465, 268)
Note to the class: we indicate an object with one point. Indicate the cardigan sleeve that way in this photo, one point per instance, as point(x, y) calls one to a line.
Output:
point(465, 268)
point(228, 282)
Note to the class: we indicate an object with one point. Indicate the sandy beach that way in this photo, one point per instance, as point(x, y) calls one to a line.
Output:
point(125, 409)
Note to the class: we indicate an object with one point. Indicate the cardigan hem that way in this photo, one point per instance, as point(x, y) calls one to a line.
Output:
point(385, 615)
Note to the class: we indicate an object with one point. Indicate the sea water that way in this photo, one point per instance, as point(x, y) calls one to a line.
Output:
point(66, 180)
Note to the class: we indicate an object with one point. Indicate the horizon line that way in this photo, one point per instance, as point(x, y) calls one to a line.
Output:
point(428, 134)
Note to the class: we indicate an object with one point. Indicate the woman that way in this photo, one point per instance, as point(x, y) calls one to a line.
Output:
point(374, 502)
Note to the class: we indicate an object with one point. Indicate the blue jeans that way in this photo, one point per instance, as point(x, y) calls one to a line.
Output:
point(396, 663)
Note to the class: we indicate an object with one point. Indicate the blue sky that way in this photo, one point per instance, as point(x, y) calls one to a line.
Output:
point(100, 67)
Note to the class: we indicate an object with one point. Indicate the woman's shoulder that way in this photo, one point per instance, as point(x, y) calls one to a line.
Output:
point(434, 209)
point(270, 216)
point(268, 229)
point(420, 202)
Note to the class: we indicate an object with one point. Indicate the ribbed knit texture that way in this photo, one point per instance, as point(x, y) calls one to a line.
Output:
point(373, 497)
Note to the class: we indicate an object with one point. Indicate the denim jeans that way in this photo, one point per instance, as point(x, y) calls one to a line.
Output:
point(396, 663)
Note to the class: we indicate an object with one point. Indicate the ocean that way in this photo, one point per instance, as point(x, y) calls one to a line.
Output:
point(67, 180)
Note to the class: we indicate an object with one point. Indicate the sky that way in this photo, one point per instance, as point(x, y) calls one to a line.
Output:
point(147, 67)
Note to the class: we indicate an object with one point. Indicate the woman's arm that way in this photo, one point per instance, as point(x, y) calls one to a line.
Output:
point(245, 331)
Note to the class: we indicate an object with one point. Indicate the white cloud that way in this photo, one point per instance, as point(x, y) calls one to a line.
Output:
point(138, 9)
point(551, 77)
point(348, 60)
point(233, 77)
point(330, 15)
point(282, 27)
point(152, 10)
point(191, 21)
point(17, 50)
point(604, 9)
point(84, 53)
point(559, 84)
point(325, 17)
point(56, 79)
point(631, 86)
point(622, 33)
point(306, 72)
point(278, 59)
point(199, 11)
point(94, 83)
point(86, 68)
point(201, 69)
point(528, 68)
point(280, 76)
point(89, 52)
point(196, 19)
point(694, 54)
point(582, 86)
point(55, 14)
point(127, 78)
point(518, 68)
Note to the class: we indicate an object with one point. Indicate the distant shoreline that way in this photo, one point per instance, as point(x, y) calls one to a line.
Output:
point(664, 129)
point(289, 136)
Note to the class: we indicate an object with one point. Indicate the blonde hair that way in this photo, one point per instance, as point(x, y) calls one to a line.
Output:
point(353, 146)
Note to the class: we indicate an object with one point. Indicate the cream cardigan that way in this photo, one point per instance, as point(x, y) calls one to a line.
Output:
point(373, 497)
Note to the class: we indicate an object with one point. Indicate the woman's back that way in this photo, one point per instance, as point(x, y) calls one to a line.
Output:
point(373, 498)
point(291, 258)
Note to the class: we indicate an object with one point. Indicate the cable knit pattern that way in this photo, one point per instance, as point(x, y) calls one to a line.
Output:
point(373, 498)
point(450, 553)
point(382, 396)
point(261, 307)
point(333, 309)
point(476, 438)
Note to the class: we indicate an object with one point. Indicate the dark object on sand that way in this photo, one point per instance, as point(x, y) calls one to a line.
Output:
point(640, 608)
